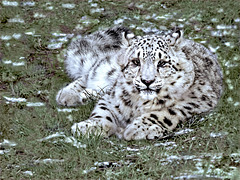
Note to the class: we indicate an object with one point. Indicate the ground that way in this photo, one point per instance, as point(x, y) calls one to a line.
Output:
point(35, 138)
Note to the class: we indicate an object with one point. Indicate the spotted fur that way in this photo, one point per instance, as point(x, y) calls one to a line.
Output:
point(151, 83)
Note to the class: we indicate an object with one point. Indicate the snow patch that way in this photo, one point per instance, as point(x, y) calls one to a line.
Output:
point(71, 140)
point(66, 110)
point(7, 62)
point(30, 173)
point(4, 151)
point(89, 170)
point(168, 145)
point(9, 3)
point(15, 99)
point(16, 35)
point(30, 33)
point(55, 45)
point(94, 4)
point(214, 135)
point(74, 142)
point(236, 104)
point(237, 20)
point(132, 149)
point(68, 6)
point(57, 34)
point(213, 49)
point(18, 63)
point(97, 10)
point(184, 131)
point(58, 134)
point(16, 20)
point(19, 100)
point(14, 63)
point(28, 3)
point(187, 176)
point(8, 143)
point(70, 118)
point(222, 26)
point(6, 37)
point(118, 21)
point(35, 104)
point(39, 15)
point(48, 161)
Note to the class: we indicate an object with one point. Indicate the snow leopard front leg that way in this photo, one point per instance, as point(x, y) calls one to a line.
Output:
point(75, 93)
point(101, 122)
point(151, 125)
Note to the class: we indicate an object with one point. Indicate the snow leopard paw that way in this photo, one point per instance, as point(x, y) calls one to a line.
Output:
point(93, 127)
point(68, 97)
point(72, 97)
point(137, 131)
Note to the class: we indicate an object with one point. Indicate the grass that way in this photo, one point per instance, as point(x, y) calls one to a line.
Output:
point(211, 150)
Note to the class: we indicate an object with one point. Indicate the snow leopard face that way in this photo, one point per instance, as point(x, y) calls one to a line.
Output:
point(151, 65)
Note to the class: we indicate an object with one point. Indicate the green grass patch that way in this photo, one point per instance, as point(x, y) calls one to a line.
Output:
point(36, 141)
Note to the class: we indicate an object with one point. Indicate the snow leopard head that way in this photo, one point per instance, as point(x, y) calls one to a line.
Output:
point(150, 63)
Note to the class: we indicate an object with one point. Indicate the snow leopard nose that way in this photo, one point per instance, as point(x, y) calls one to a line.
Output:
point(147, 82)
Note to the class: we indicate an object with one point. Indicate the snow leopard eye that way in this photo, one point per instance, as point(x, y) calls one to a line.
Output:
point(161, 64)
point(136, 62)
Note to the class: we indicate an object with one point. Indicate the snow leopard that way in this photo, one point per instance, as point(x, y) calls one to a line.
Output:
point(150, 84)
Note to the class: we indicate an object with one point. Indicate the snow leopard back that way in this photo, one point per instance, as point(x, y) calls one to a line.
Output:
point(93, 56)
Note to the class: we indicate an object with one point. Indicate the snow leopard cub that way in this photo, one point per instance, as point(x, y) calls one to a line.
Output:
point(152, 83)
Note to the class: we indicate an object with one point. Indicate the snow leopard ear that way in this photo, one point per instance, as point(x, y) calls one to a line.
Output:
point(175, 38)
point(126, 38)
point(126, 42)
